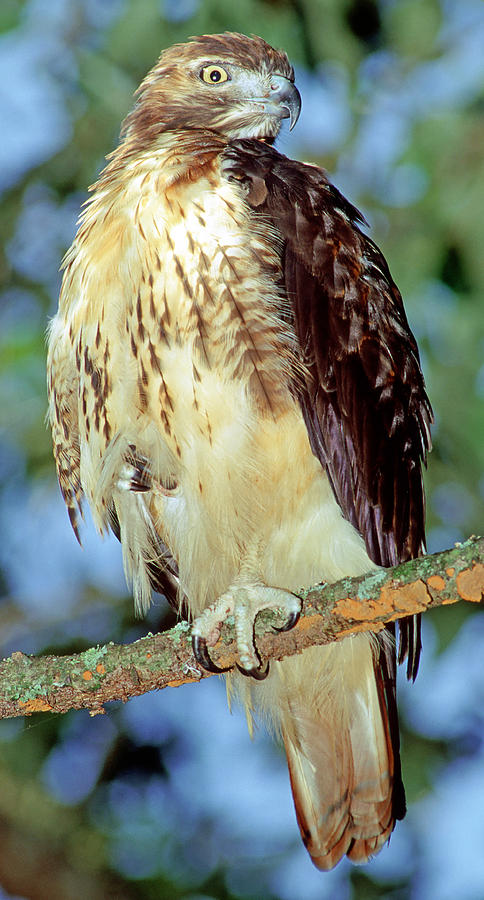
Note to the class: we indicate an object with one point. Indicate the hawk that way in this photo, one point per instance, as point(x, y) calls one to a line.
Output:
point(235, 390)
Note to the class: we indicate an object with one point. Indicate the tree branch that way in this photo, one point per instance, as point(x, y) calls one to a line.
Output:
point(330, 613)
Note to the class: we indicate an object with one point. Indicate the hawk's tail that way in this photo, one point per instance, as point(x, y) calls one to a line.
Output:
point(337, 716)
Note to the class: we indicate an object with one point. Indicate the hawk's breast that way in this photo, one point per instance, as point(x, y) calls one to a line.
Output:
point(188, 364)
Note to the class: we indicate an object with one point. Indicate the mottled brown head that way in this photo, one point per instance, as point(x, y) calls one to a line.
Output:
point(235, 85)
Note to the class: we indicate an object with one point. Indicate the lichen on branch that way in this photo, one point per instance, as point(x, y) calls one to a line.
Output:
point(330, 613)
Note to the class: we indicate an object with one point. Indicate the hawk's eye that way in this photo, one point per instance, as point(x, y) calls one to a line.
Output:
point(214, 75)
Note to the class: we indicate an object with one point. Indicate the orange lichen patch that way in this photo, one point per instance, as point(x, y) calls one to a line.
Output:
point(349, 608)
point(87, 675)
point(392, 602)
point(306, 623)
point(436, 582)
point(470, 583)
point(36, 705)
point(177, 682)
point(100, 669)
point(409, 598)
point(450, 572)
point(148, 655)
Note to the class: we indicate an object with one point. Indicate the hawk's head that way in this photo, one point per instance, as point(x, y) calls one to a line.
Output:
point(237, 86)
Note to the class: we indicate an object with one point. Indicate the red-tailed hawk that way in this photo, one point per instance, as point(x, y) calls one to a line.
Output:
point(235, 389)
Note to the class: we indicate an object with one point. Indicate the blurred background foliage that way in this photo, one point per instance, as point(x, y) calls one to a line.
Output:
point(166, 797)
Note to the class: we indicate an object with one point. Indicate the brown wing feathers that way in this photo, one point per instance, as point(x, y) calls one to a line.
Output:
point(363, 399)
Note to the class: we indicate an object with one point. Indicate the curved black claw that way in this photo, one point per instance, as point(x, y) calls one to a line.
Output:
point(201, 654)
point(259, 674)
point(292, 620)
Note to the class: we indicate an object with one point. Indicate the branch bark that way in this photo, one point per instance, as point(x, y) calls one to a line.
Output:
point(330, 613)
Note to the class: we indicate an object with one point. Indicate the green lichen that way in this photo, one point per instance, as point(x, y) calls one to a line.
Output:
point(370, 585)
point(180, 631)
point(90, 658)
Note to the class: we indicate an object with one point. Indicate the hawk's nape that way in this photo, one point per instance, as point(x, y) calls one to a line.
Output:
point(235, 390)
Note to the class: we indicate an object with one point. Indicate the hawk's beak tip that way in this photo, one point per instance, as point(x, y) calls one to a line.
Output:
point(288, 98)
point(293, 105)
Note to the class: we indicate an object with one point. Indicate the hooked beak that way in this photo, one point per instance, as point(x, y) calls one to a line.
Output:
point(286, 94)
point(284, 100)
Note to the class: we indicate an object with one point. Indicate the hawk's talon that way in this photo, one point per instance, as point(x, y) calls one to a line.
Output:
point(243, 600)
point(258, 673)
point(290, 623)
point(201, 654)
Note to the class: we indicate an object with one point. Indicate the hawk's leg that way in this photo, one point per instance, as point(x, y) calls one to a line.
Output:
point(243, 602)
